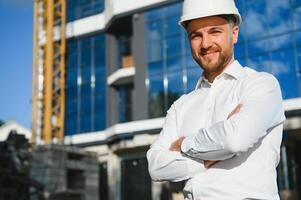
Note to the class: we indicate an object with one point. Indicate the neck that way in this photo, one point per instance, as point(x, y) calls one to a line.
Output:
point(210, 76)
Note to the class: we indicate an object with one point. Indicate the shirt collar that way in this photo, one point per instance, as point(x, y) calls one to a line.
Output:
point(233, 70)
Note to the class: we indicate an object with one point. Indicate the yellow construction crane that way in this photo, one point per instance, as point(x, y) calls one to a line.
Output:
point(49, 51)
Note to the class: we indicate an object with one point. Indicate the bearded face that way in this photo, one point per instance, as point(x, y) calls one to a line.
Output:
point(212, 40)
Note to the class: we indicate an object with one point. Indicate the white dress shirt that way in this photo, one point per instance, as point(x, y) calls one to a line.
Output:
point(247, 144)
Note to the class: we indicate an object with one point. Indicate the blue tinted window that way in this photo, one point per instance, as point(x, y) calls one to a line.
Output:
point(239, 51)
point(155, 51)
point(171, 26)
point(297, 17)
point(85, 108)
point(298, 38)
point(271, 34)
point(70, 124)
point(240, 6)
point(72, 76)
point(259, 62)
point(154, 33)
point(154, 15)
point(175, 86)
point(174, 63)
point(85, 85)
point(255, 19)
point(278, 11)
point(186, 49)
point(243, 62)
point(77, 9)
point(167, 46)
point(193, 75)
point(173, 46)
point(156, 84)
point(85, 124)
point(100, 82)
point(298, 70)
point(156, 96)
point(174, 9)
point(85, 46)
point(154, 30)
point(190, 62)
point(99, 119)
point(125, 103)
point(269, 37)
point(296, 3)
point(85, 76)
point(281, 42)
point(155, 68)
point(258, 47)
point(283, 67)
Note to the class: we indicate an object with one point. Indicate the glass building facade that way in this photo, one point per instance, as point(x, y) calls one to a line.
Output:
point(269, 41)
point(171, 70)
point(77, 9)
point(125, 103)
point(85, 85)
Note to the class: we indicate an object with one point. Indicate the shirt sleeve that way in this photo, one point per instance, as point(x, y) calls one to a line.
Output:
point(261, 111)
point(166, 165)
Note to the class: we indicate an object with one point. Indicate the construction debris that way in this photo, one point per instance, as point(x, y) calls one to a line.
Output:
point(67, 172)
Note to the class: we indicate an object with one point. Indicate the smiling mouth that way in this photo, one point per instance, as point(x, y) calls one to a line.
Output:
point(208, 54)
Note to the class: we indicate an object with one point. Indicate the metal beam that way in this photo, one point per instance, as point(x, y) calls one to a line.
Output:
point(47, 100)
point(34, 76)
point(51, 57)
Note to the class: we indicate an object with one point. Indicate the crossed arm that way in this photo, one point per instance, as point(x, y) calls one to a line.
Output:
point(261, 110)
point(176, 145)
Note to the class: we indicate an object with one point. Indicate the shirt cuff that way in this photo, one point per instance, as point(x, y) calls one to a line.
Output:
point(186, 144)
point(199, 143)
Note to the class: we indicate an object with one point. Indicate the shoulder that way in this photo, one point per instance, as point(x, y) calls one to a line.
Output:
point(261, 79)
point(259, 84)
point(182, 100)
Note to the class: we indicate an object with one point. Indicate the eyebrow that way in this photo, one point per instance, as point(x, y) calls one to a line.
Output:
point(211, 29)
point(194, 33)
point(215, 28)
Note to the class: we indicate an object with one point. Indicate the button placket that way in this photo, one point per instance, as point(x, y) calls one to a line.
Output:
point(209, 105)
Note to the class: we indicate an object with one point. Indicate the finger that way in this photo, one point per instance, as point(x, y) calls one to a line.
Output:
point(209, 163)
point(238, 107)
point(235, 110)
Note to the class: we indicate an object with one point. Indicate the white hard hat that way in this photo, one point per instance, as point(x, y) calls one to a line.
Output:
point(194, 9)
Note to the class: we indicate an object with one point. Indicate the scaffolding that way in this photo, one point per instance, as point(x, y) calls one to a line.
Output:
point(48, 100)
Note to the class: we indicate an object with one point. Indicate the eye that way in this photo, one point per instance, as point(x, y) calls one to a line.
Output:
point(195, 36)
point(215, 32)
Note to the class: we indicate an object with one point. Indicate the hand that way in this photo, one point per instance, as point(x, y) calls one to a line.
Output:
point(209, 163)
point(236, 110)
point(176, 145)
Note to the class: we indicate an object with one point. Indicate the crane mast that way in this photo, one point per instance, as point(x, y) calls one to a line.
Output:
point(48, 99)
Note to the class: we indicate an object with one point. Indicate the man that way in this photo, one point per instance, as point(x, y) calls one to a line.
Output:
point(224, 137)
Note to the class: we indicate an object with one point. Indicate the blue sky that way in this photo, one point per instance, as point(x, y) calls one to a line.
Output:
point(16, 33)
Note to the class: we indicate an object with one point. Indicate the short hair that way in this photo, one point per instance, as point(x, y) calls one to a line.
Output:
point(230, 18)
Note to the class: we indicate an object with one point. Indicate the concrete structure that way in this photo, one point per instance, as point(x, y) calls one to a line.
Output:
point(127, 61)
point(65, 172)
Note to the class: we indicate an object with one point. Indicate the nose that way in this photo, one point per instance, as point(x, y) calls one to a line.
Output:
point(206, 41)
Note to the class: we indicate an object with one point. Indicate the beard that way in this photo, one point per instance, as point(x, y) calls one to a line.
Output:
point(215, 64)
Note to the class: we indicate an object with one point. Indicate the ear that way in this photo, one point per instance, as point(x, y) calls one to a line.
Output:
point(235, 31)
